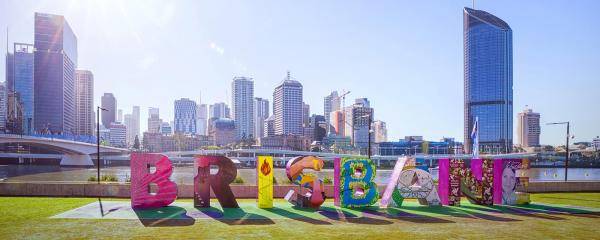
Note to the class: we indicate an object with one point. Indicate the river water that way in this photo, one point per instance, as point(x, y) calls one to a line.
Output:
point(185, 174)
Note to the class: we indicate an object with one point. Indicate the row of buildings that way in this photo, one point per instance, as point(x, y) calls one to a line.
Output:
point(44, 91)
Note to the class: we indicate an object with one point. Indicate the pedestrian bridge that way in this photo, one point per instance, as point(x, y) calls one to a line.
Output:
point(73, 153)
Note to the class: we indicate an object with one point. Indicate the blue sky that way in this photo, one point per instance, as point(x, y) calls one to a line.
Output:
point(406, 57)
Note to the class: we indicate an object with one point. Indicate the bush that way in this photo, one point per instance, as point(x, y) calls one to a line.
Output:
point(274, 180)
point(104, 178)
point(327, 180)
point(238, 180)
point(92, 179)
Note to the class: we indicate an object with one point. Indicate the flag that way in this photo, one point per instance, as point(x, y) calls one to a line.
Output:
point(475, 137)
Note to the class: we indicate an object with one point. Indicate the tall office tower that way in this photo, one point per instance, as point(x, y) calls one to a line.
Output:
point(269, 127)
point(118, 135)
point(348, 122)
point(3, 98)
point(331, 104)
point(305, 115)
point(20, 81)
point(528, 128)
point(108, 102)
point(287, 107)
point(261, 113)
point(362, 115)
point(120, 115)
point(242, 104)
point(337, 123)
point(488, 81)
point(84, 102)
point(218, 110)
point(201, 119)
point(135, 127)
point(128, 121)
point(185, 116)
point(380, 131)
point(55, 61)
point(153, 120)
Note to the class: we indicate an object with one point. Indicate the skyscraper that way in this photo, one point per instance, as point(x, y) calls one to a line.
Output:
point(3, 98)
point(331, 104)
point(218, 110)
point(380, 131)
point(153, 120)
point(201, 119)
point(287, 107)
point(305, 115)
point(362, 115)
point(120, 115)
point(488, 89)
point(242, 104)
point(55, 61)
point(21, 82)
point(337, 123)
point(528, 128)
point(261, 113)
point(84, 102)
point(135, 127)
point(185, 116)
point(129, 122)
point(109, 102)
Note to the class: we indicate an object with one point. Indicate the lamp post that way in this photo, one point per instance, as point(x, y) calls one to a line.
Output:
point(566, 147)
point(98, 139)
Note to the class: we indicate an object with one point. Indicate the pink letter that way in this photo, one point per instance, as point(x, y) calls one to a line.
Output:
point(141, 178)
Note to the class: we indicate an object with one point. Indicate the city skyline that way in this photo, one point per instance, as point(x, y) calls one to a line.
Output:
point(422, 113)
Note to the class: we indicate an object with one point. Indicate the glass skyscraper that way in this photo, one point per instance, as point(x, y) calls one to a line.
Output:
point(54, 74)
point(488, 80)
point(22, 82)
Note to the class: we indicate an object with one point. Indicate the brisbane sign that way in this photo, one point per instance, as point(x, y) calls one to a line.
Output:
point(481, 181)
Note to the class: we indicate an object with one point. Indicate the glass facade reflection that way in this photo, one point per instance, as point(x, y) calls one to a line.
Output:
point(488, 81)
point(22, 82)
point(54, 73)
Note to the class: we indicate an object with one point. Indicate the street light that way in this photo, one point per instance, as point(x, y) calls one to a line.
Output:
point(567, 146)
point(98, 139)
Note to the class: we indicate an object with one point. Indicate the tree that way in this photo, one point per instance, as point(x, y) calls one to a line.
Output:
point(136, 143)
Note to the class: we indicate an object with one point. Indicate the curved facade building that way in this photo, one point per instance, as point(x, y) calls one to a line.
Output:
point(488, 81)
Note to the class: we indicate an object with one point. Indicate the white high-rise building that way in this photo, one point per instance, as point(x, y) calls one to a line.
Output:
point(3, 97)
point(185, 116)
point(129, 122)
point(135, 126)
point(305, 115)
point(242, 104)
point(331, 104)
point(201, 119)
point(261, 113)
point(84, 102)
point(380, 131)
point(153, 120)
point(528, 128)
point(287, 107)
point(120, 115)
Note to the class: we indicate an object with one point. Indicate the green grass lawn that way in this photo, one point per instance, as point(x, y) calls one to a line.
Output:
point(29, 217)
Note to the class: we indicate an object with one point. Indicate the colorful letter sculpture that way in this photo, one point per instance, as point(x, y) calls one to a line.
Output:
point(314, 196)
point(508, 175)
point(391, 185)
point(219, 182)
point(475, 182)
point(486, 182)
point(265, 181)
point(409, 183)
point(357, 188)
point(141, 178)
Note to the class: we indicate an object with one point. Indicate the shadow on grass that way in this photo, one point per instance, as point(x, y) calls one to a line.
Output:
point(476, 214)
point(514, 211)
point(345, 216)
point(296, 216)
point(556, 210)
point(398, 214)
point(164, 217)
point(235, 216)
